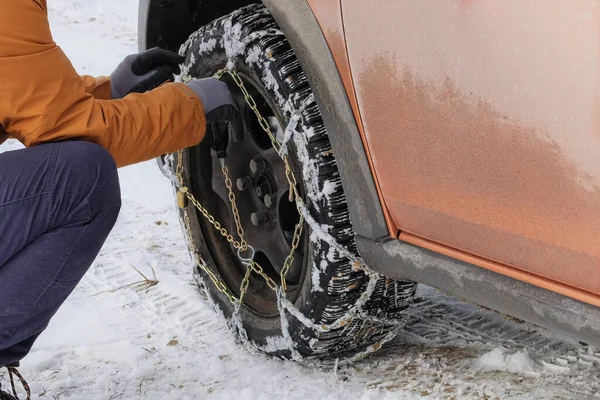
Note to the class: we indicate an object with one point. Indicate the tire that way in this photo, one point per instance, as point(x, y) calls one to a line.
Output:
point(328, 287)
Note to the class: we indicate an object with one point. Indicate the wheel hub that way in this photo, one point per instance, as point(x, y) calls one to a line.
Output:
point(261, 183)
point(262, 193)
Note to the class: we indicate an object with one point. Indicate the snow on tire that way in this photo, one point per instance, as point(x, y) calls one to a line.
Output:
point(363, 310)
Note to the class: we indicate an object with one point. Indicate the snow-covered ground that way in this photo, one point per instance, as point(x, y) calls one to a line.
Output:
point(114, 341)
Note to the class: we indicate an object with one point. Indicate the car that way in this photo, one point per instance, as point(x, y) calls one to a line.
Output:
point(452, 143)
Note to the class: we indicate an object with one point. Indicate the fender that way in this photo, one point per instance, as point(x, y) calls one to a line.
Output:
point(164, 23)
point(304, 33)
point(168, 23)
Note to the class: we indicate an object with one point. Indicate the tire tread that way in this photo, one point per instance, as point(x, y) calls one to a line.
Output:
point(342, 285)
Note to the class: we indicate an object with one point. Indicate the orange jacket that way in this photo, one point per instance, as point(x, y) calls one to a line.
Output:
point(43, 99)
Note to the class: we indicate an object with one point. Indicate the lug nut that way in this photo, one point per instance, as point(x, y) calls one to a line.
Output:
point(244, 183)
point(258, 166)
point(262, 189)
point(259, 218)
point(269, 200)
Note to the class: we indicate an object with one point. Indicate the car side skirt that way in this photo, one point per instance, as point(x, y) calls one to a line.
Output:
point(401, 260)
point(509, 271)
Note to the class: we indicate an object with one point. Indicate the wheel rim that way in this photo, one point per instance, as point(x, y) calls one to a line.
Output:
point(262, 196)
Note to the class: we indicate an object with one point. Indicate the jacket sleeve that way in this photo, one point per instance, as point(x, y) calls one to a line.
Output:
point(43, 99)
point(98, 87)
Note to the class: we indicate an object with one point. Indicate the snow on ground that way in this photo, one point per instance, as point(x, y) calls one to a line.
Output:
point(114, 341)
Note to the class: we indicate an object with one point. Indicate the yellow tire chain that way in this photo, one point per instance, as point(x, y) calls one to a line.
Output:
point(184, 197)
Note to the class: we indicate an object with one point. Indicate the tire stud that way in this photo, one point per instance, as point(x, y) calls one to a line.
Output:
point(259, 218)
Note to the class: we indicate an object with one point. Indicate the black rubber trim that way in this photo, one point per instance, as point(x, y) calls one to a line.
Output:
point(401, 260)
point(155, 15)
point(168, 23)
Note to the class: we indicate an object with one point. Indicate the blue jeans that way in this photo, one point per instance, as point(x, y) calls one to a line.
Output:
point(58, 203)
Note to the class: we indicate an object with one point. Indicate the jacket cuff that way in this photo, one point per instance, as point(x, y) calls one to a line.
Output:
point(199, 116)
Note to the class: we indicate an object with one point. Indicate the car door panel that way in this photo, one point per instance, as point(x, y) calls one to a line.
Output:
point(481, 119)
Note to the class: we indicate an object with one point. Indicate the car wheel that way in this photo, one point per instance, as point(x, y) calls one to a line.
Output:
point(332, 309)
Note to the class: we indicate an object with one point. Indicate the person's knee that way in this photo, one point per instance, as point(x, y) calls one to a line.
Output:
point(89, 169)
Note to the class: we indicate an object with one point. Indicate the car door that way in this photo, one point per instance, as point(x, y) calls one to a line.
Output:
point(482, 121)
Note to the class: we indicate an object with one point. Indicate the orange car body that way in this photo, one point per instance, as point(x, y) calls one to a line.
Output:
point(481, 123)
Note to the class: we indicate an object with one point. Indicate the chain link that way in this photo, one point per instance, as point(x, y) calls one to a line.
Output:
point(219, 284)
point(243, 245)
point(290, 258)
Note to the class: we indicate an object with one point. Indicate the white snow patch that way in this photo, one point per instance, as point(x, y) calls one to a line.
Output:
point(553, 369)
point(276, 343)
point(270, 81)
point(234, 46)
point(310, 171)
point(316, 277)
point(207, 47)
point(309, 132)
point(331, 257)
point(498, 360)
point(329, 188)
point(170, 167)
point(254, 55)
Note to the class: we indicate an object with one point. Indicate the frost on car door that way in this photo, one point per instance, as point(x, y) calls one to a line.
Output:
point(482, 118)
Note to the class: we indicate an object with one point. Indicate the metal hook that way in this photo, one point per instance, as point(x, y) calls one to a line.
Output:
point(248, 260)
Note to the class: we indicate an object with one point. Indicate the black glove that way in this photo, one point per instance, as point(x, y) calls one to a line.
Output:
point(145, 71)
point(221, 111)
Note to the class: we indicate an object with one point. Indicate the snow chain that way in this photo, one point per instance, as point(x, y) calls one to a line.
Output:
point(245, 251)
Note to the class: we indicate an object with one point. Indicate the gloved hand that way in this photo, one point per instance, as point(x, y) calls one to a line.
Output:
point(221, 110)
point(145, 71)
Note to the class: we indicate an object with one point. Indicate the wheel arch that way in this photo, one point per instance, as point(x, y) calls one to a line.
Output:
point(168, 23)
